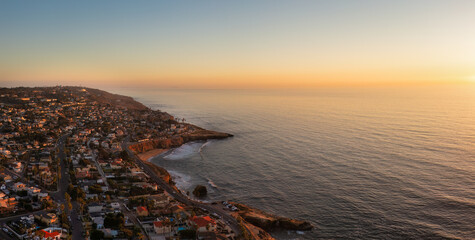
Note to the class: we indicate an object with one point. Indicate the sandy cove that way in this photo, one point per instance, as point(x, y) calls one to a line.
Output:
point(257, 222)
point(145, 156)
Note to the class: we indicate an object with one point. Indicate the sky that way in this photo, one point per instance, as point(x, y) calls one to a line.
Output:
point(236, 44)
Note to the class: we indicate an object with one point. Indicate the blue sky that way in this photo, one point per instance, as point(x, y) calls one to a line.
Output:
point(234, 43)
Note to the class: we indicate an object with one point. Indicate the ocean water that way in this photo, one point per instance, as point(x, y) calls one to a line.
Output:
point(360, 163)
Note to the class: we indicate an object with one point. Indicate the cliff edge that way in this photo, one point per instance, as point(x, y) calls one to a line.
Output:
point(268, 221)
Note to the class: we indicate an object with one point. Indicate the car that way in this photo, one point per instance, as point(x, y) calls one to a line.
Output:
point(5, 230)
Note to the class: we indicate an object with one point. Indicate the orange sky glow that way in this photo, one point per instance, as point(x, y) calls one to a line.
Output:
point(227, 45)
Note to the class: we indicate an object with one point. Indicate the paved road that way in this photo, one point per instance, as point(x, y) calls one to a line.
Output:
point(5, 236)
point(63, 187)
point(10, 218)
point(76, 224)
point(132, 217)
point(99, 168)
point(182, 198)
point(56, 195)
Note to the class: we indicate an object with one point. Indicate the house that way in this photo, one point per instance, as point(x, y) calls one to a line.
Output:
point(102, 163)
point(7, 178)
point(19, 186)
point(33, 191)
point(82, 173)
point(180, 212)
point(7, 204)
point(203, 224)
point(142, 211)
point(43, 196)
point(47, 178)
point(98, 220)
point(110, 233)
point(115, 165)
point(49, 218)
point(17, 166)
point(160, 200)
point(162, 227)
point(91, 196)
point(94, 207)
point(50, 235)
point(115, 205)
point(135, 171)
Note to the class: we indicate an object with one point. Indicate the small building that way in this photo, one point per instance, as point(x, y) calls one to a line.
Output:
point(50, 235)
point(142, 211)
point(19, 186)
point(204, 224)
point(49, 218)
point(161, 227)
point(115, 205)
point(110, 233)
point(94, 207)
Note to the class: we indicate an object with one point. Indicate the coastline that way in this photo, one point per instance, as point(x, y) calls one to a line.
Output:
point(146, 156)
point(255, 222)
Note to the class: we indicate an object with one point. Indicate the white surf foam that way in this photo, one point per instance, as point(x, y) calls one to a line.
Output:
point(204, 145)
point(212, 184)
point(182, 181)
point(185, 151)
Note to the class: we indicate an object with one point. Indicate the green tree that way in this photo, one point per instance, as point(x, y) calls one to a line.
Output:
point(115, 221)
point(97, 235)
point(187, 234)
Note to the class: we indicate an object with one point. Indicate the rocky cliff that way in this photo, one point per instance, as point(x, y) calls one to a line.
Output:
point(268, 221)
point(161, 172)
point(173, 142)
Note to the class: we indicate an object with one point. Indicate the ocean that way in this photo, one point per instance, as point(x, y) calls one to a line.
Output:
point(358, 163)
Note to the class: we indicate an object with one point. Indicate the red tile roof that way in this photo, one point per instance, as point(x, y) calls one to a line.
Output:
point(50, 234)
point(141, 209)
point(203, 221)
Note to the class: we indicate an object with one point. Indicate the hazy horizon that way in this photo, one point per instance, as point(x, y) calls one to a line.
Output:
point(245, 45)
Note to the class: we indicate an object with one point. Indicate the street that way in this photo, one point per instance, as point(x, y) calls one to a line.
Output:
point(182, 198)
point(63, 187)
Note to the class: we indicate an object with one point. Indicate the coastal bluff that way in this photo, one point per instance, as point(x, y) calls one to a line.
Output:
point(269, 221)
point(157, 146)
point(176, 141)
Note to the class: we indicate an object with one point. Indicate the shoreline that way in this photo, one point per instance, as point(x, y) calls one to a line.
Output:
point(258, 223)
point(146, 156)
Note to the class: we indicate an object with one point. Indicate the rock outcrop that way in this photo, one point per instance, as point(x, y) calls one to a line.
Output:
point(176, 141)
point(268, 221)
point(200, 191)
point(161, 172)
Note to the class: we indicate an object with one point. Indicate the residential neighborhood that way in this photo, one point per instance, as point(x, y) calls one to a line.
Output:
point(66, 172)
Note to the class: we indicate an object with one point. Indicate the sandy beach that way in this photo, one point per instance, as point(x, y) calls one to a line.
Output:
point(152, 153)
